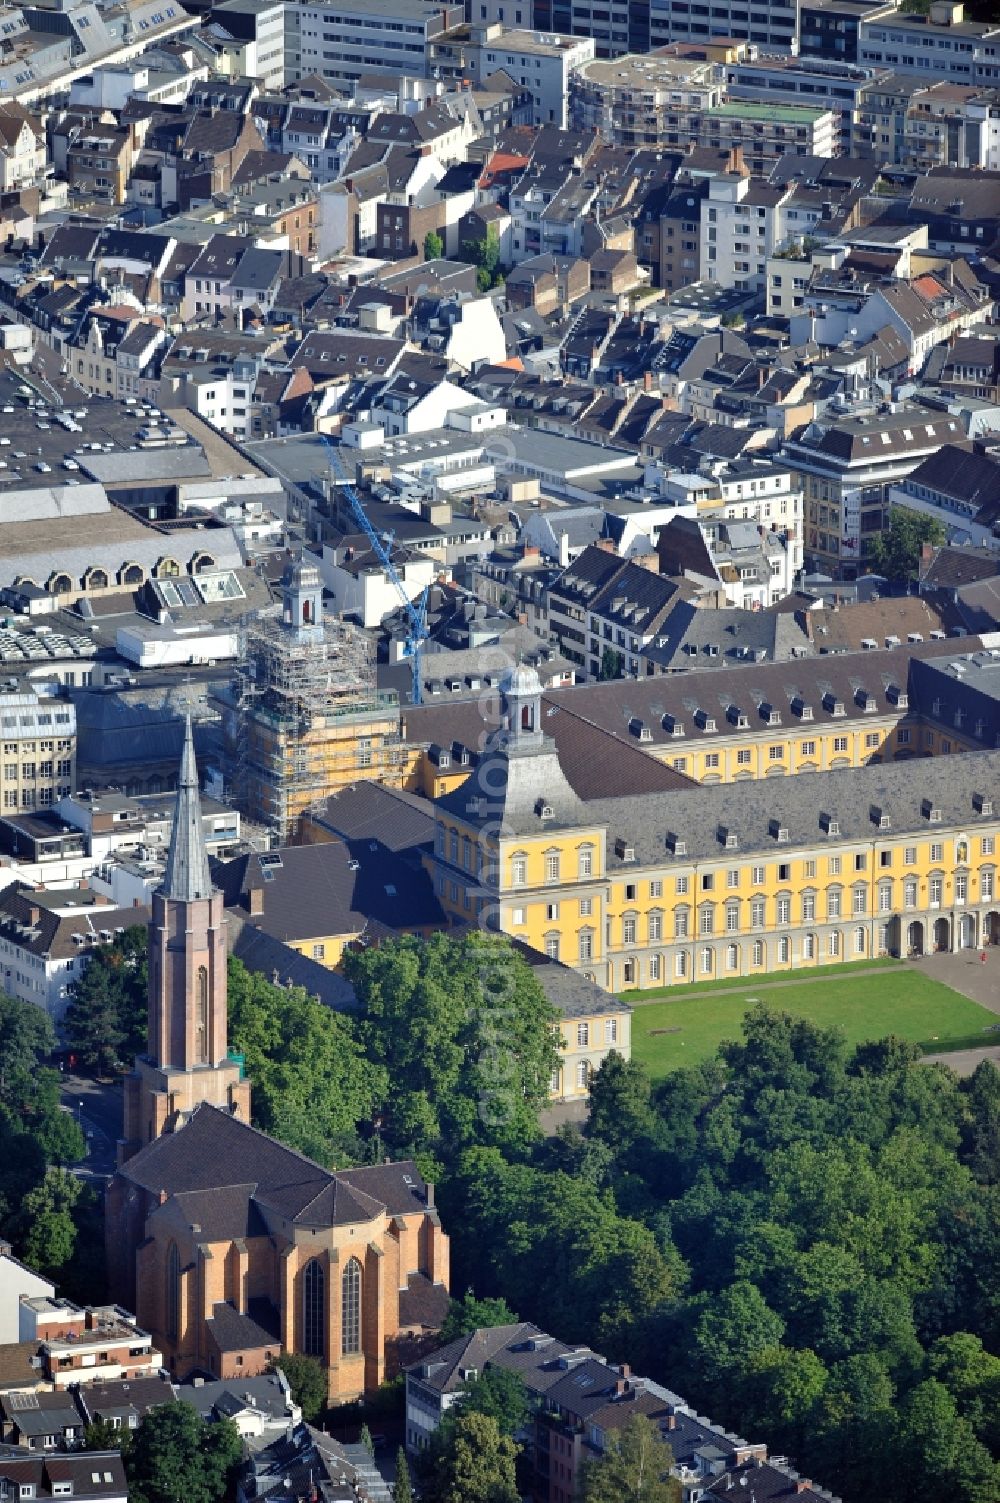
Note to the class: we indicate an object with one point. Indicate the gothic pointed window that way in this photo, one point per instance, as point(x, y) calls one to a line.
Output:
point(173, 1291)
point(313, 1309)
point(201, 1018)
point(350, 1308)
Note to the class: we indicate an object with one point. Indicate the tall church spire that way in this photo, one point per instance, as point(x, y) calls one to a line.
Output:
point(187, 875)
point(187, 1060)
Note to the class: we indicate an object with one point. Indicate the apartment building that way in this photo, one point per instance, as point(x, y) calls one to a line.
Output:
point(939, 45)
point(39, 749)
point(775, 27)
point(645, 100)
point(740, 229)
point(822, 83)
point(620, 26)
point(343, 43)
point(540, 61)
point(46, 936)
point(257, 28)
point(846, 461)
point(101, 1343)
point(831, 28)
point(767, 132)
point(781, 874)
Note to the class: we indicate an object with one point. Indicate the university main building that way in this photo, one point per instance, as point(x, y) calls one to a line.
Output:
point(228, 1246)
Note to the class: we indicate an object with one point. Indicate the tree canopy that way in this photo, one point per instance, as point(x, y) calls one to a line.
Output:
point(40, 1204)
point(307, 1381)
point(895, 552)
point(635, 1467)
point(799, 1236)
point(464, 1036)
point(105, 1022)
point(470, 1462)
point(468, 1314)
point(312, 1086)
point(177, 1455)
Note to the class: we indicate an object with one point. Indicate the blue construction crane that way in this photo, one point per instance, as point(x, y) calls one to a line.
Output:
point(415, 611)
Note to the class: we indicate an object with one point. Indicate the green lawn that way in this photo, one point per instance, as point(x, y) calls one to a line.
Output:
point(666, 1034)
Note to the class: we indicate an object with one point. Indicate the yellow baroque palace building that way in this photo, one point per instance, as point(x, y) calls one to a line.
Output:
point(729, 879)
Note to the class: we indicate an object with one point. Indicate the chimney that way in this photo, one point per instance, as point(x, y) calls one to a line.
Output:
point(926, 552)
point(255, 898)
point(647, 380)
point(802, 1484)
point(430, 1197)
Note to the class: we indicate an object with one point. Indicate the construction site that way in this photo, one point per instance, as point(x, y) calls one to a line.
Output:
point(304, 718)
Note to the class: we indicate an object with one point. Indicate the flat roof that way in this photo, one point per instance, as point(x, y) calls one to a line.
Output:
point(792, 113)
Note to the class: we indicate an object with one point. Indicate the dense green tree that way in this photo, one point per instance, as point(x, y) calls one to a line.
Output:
point(48, 1231)
point(464, 1033)
point(468, 1314)
point(312, 1086)
point(177, 1457)
point(484, 255)
point(620, 1101)
point(499, 1393)
point(365, 1439)
point(896, 550)
point(433, 246)
point(981, 1135)
point(470, 1463)
point(102, 1435)
point(635, 1467)
point(105, 1022)
point(307, 1380)
point(36, 1137)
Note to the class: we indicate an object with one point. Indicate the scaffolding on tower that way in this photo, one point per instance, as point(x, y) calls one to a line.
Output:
point(307, 719)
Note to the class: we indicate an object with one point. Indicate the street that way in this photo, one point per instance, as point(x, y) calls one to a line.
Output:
point(98, 1108)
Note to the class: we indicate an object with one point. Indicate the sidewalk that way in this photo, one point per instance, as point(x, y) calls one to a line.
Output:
point(964, 972)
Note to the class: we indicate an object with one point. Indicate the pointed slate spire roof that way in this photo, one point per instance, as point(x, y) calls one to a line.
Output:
point(187, 876)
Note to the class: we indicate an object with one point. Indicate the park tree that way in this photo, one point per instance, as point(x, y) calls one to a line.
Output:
point(433, 246)
point(463, 1031)
point(635, 1467)
point(896, 550)
point(307, 1381)
point(312, 1085)
point(468, 1314)
point(105, 1022)
point(470, 1462)
point(620, 1101)
point(176, 1455)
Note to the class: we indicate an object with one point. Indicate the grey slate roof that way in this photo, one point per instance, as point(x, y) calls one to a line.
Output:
point(755, 811)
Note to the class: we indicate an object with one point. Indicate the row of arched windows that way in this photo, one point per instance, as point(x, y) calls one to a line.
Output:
point(129, 575)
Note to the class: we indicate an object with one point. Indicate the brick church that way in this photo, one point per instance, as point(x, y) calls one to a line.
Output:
point(228, 1246)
